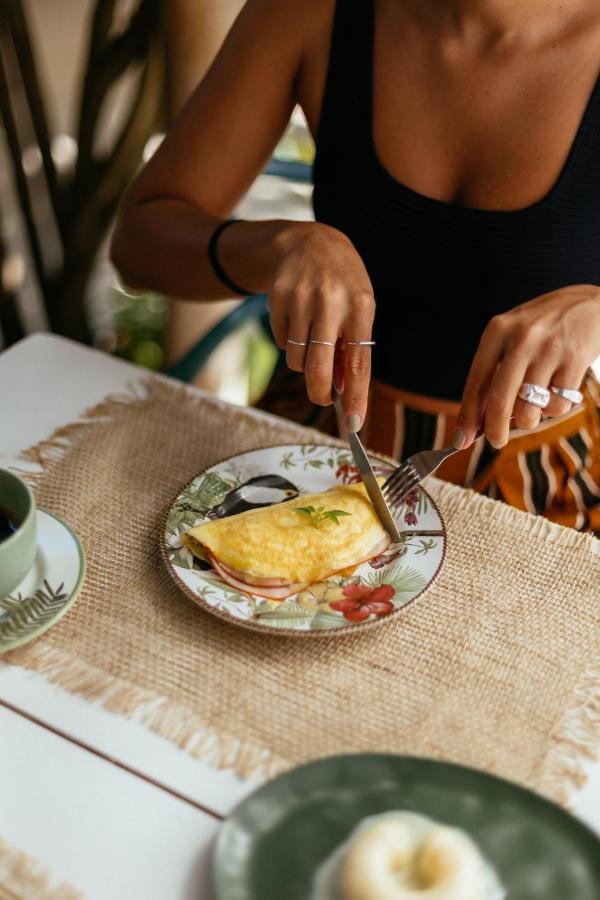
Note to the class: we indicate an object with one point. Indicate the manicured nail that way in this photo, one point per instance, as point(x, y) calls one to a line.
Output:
point(460, 439)
point(353, 423)
point(498, 445)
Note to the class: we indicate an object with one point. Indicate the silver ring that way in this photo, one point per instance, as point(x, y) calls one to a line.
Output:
point(296, 343)
point(569, 394)
point(325, 343)
point(535, 394)
point(360, 343)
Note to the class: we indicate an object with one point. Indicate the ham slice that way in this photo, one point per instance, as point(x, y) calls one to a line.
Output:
point(259, 590)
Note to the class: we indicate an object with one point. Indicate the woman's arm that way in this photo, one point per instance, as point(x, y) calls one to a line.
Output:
point(318, 287)
point(210, 157)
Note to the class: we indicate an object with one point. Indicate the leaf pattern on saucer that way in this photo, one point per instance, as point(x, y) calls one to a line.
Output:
point(19, 615)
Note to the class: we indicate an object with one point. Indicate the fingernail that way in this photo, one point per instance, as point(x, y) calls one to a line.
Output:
point(498, 445)
point(460, 439)
point(353, 423)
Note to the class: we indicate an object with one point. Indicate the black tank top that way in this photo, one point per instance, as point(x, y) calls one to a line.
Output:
point(440, 271)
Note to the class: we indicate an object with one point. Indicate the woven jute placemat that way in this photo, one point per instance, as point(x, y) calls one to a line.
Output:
point(24, 878)
point(497, 666)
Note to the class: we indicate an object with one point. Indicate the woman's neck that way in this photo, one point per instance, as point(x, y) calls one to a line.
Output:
point(502, 19)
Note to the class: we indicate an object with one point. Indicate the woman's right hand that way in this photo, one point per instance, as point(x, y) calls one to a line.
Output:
point(321, 292)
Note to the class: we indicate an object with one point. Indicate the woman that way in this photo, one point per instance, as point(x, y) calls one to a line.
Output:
point(458, 223)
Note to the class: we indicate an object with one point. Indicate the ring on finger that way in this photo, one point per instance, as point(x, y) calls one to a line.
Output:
point(324, 343)
point(360, 343)
point(297, 343)
point(534, 394)
point(570, 394)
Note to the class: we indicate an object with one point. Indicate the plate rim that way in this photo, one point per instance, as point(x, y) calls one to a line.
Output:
point(217, 872)
point(324, 634)
point(24, 639)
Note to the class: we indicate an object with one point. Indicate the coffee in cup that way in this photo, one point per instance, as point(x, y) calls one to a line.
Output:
point(18, 543)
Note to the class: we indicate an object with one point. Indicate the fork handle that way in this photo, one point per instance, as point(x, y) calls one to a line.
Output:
point(479, 433)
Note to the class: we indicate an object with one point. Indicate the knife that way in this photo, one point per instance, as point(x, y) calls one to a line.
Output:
point(368, 476)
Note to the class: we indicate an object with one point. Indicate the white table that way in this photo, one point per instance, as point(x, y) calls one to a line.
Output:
point(107, 804)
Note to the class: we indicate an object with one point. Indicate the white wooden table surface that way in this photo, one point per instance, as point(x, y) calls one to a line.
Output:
point(108, 805)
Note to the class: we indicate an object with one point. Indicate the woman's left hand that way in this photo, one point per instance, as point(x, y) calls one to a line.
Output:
point(550, 340)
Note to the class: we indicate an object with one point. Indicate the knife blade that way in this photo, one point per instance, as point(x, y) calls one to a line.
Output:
point(368, 476)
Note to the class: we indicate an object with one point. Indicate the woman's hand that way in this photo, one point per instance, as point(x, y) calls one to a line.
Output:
point(550, 340)
point(321, 292)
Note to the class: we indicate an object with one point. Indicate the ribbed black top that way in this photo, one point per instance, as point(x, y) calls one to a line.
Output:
point(440, 271)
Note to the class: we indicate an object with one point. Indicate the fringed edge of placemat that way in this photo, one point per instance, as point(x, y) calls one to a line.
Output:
point(172, 721)
point(24, 878)
point(52, 450)
point(577, 735)
point(577, 739)
point(458, 499)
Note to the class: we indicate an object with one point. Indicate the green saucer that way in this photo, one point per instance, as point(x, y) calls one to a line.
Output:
point(49, 589)
point(271, 845)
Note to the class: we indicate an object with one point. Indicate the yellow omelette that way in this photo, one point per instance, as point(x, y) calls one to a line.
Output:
point(279, 548)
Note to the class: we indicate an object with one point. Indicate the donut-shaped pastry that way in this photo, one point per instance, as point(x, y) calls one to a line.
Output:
point(405, 856)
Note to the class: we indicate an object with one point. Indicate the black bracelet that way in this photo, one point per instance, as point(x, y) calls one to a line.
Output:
point(216, 265)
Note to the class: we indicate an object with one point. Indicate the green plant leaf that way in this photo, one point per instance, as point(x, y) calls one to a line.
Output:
point(320, 514)
point(289, 615)
point(405, 580)
point(306, 510)
point(324, 620)
point(287, 462)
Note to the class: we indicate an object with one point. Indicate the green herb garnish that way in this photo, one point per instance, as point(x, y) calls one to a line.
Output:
point(319, 514)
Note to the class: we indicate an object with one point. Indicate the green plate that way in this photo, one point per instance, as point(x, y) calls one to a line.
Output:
point(271, 845)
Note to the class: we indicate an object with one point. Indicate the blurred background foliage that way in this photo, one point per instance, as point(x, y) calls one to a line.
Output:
point(87, 90)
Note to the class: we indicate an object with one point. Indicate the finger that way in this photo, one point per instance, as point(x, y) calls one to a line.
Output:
point(357, 375)
point(502, 394)
point(297, 337)
point(571, 376)
point(357, 330)
point(338, 364)
point(279, 327)
point(483, 367)
point(318, 367)
point(278, 317)
point(539, 372)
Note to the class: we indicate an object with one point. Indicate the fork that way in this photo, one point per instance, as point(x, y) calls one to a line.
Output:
point(412, 471)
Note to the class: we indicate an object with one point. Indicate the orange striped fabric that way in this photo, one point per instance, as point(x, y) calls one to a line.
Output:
point(553, 471)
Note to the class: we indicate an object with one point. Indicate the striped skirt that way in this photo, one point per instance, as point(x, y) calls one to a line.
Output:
point(553, 471)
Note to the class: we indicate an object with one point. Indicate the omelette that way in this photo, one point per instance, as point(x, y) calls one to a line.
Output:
point(276, 551)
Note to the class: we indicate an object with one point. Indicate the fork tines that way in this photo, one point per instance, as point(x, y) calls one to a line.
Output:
point(400, 483)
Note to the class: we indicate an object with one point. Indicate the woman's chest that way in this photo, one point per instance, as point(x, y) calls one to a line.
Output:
point(492, 130)
point(481, 135)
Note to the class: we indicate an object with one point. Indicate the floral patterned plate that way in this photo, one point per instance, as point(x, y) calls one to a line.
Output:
point(49, 589)
point(375, 591)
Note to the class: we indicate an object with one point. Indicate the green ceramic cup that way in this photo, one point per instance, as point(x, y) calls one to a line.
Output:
point(17, 552)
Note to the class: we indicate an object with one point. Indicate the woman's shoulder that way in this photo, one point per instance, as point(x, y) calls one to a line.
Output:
point(303, 32)
point(298, 28)
point(310, 14)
